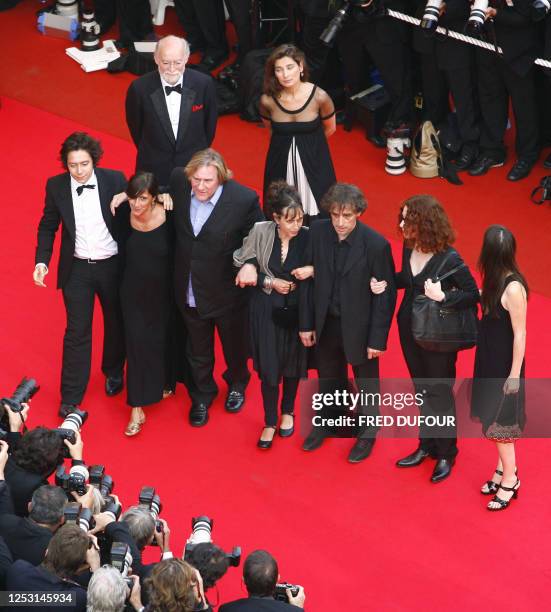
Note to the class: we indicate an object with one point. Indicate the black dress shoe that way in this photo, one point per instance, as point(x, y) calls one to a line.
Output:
point(199, 415)
point(361, 450)
point(314, 439)
point(416, 458)
point(547, 162)
point(442, 469)
point(235, 401)
point(483, 163)
point(66, 409)
point(288, 431)
point(466, 157)
point(266, 444)
point(521, 169)
point(113, 385)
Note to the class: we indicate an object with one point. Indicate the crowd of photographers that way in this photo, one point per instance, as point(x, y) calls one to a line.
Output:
point(72, 542)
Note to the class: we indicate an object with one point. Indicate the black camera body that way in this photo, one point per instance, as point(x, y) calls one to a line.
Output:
point(77, 515)
point(76, 480)
point(121, 558)
point(72, 423)
point(25, 390)
point(151, 502)
point(280, 593)
point(101, 481)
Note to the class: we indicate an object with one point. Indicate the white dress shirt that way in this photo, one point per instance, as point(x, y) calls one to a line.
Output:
point(173, 101)
point(92, 238)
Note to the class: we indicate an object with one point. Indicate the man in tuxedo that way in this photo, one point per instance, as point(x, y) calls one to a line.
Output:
point(260, 575)
point(171, 113)
point(88, 263)
point(339, 313)
point(212, 216)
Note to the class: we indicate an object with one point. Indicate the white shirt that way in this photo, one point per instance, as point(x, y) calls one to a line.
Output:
point(92, 238)
point(173, 101)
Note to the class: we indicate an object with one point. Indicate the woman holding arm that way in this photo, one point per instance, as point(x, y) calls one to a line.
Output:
point(275, 248)
point(498, 386)
point(301, 117)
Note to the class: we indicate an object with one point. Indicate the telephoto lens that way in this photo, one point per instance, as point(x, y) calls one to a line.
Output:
point(539, 9)
point(431, 15)
point(22, 394)
point(476, 20)
point(121, 557)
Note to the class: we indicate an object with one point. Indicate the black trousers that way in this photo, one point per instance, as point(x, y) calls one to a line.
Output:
point(232, 328)
point(332, 367)
point(85, 282)
point(438, 83)
point(134, 17)
point(497, 81)
point(438, 398)
point(204, 24)
point(270, 398)
point(240, 14)
point(316, 52)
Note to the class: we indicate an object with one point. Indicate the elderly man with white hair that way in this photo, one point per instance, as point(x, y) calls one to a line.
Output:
point(108, 591)
point(171, 112)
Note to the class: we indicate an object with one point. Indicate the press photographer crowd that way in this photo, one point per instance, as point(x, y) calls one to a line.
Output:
point(71, 543)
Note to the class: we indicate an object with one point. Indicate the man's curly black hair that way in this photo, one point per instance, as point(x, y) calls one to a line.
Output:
point(210, 560)
point(39, 451)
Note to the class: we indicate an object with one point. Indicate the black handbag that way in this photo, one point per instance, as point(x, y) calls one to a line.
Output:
point(286, 316)
point(440, 328)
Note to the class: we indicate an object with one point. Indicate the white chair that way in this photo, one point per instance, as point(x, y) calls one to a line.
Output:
point(158, 8)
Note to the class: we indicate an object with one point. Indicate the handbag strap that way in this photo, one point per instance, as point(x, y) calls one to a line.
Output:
point(438, 278)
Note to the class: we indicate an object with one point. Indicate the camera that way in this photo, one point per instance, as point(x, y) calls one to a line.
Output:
point(89, 29)
point(121, 558)
point(431, 15)
point(75, 514)
point(76, 480)
point(22, 394)
point(349, 7)
point(280, 593)
point(152, 502)
point(539, 9)
point(201, 533)
point(477, 17)
point(101, 481)
point(72, 423)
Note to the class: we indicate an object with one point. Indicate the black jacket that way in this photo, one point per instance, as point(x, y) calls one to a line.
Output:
point(149, 122)
point(258, 604)
point(59, 209)
point(209, 255)
point(25, 539)
point(365, 317)
point(22, 485)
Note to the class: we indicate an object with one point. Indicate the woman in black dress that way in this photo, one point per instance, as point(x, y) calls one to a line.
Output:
point(146, 297)
point(498, 386)
point(275, 249)
point(301, 117)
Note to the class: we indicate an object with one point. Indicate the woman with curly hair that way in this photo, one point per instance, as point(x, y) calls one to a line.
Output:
point(175, 586)
point(427, 252)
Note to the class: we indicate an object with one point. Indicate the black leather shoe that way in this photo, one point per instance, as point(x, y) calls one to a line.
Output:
point(235, 401)
point(547, 162)
point(521, 169)
point(361, 450)
point(314, 439)
point(289, 431)
point(266, 444)
point(466, 157)
point(416, 458)
point(113, 385)
point(199, 415)
point(442, 469)
point(483, 163)
point(66, 409)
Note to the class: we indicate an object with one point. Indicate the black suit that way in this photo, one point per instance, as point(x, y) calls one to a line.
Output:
point(22, 485)
point(26, 539)
point(257, 604)
point(339, 305)
point(208, 258)
point(149, 122)
point(81, 281)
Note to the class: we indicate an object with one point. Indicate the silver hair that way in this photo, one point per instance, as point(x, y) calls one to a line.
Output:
point(106, 591)
point(171, 37)
point(140, 524)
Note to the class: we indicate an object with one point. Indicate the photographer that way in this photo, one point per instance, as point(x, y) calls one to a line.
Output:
point(210, 561)
point(260, 574)
point(108, 591)
point(71, 553)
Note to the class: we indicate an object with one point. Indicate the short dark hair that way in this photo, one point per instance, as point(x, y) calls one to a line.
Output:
point(48, 504)
point(210, 560)
point(341, 195)
point(66, 551)
point(280, 196)
point(39, 451)
point(260, 573)
point(140, 183)
point(81, 141)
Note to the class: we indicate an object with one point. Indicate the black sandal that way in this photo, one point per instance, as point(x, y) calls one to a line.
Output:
point(491, 486)
point(504, 503)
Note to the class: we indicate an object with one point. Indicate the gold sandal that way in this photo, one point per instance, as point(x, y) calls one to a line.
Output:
point(134, 427)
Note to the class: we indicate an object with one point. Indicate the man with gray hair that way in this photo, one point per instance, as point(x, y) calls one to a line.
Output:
point(108, 591)
point(171, 112)
point(28, 538)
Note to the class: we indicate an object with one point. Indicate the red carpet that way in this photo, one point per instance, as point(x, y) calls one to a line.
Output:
point(363, 537)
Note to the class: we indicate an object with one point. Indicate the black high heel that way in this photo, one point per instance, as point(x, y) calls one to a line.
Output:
point(504, 503)
point(266, 444)
point(491, 486)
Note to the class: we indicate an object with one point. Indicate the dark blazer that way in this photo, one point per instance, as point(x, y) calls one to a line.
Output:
point(365, 317)
point(258, 604)
point(22, 486)
point(5, 562)
point(59, 209)
point(149, 123)
point(25, 539)
point(209, 256)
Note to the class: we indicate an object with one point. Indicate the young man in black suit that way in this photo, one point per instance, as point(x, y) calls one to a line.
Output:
point(260, 575)
point(171, 113)
point(88, 265)
point(338, 312)
point(212, 216)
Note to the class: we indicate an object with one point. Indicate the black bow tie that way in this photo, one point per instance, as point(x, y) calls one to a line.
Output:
point(176, 88)
point(81, 188)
